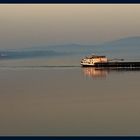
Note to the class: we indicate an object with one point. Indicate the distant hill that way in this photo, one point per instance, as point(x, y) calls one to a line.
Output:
point(127, 44)
point(124, 42)
point(73, 48)
point(126, 48)
point(14, 54)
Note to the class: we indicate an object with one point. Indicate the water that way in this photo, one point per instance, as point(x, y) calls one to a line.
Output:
point(68, 101)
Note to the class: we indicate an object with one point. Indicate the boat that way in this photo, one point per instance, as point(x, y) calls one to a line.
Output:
point(103, 61)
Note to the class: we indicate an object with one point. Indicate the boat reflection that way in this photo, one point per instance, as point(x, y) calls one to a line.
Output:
point(103, 72)
point(94, 72)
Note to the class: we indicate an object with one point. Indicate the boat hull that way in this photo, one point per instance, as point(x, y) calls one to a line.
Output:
point(114, 64)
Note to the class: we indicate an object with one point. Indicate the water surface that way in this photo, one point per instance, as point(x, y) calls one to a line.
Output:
point(69, 101)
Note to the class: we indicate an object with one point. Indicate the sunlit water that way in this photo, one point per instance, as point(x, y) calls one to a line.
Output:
point(67, 101)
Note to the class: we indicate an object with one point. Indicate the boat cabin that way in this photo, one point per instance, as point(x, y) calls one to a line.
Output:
point(91, 60)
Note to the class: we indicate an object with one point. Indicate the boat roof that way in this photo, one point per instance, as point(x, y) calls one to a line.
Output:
point(96, 56)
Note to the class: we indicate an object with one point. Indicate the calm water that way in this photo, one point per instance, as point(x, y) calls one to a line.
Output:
point(69, 101)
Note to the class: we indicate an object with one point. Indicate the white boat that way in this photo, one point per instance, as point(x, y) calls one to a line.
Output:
point(91, 60)
point(103, 61)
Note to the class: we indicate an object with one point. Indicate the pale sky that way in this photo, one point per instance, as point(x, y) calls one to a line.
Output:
point(26, 25)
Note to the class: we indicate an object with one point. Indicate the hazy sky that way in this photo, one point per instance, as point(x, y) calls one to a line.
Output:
point(32, 25)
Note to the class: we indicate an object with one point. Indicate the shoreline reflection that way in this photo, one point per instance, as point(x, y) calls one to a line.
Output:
point(103, 72)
